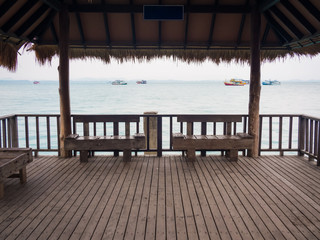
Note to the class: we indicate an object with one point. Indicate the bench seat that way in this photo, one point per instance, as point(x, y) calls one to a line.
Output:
point(90, 143)
point(231, 143)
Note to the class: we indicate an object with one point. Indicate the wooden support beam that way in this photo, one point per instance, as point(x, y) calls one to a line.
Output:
point(6, 6)
point(255, 83)
point(287, 22)
point(31, 20)
point(55, 4)
point(106, 26)
point(311, 8)
point(18, 15)
point(65, 113)
point(134, 8)
point(83, 41)
point(187, 25)
point(213, 20)
point(266, 4)
point(299, 16)
point(133, 27)
point(42, 27)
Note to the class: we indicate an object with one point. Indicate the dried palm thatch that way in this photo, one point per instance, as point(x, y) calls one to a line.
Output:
point(45, 53)
point(8, 55)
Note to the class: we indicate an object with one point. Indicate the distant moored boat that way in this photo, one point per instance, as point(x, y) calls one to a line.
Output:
point(236, 82)
point(119, 82)
point(142, 82)
point(36, 82)
point(270, 82)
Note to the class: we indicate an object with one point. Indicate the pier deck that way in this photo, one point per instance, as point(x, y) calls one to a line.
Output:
point(269, 197)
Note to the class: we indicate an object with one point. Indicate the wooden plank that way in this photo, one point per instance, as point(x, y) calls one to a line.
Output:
point(232, 213)
point(180, 217)
point(170, 216)
point(130, 228)
point(141, 223)
point(120, 203)
point(286, 203)
point(106, 118)
point(161, 226)
point(102, 226)
point(209, 118)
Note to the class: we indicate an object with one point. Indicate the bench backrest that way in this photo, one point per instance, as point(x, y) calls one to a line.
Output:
point(190, 119)
point(115, 119)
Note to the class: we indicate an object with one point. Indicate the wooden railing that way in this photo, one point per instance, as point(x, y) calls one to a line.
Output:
point(279, 133)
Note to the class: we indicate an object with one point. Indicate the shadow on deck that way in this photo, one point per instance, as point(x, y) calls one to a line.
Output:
point(269, 197)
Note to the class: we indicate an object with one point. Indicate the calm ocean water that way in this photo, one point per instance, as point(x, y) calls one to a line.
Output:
point(176, 97)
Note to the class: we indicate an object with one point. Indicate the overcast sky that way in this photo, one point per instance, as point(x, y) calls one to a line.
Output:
point(305, 68)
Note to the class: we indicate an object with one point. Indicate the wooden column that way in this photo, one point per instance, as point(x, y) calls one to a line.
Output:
point(65, 115)
point(255, 84)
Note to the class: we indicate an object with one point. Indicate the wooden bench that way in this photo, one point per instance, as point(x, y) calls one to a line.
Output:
point(13, 160)
point(114, 142)
point(230, 143)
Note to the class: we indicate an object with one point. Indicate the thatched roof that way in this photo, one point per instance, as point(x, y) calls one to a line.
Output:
point(218, 30)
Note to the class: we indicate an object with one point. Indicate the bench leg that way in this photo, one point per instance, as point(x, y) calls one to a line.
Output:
point(23, 175)
point(83, 156)
point(191, 155)
point(127, 155)
point(232, 154)
point(1, 190)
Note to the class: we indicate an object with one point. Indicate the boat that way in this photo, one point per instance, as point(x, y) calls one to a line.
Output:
point(236, 82)
point(142, 82)
point(36, 82)
point(270, 82)
point(119, 82)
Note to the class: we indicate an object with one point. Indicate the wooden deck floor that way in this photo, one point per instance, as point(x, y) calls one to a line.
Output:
point(164, 198)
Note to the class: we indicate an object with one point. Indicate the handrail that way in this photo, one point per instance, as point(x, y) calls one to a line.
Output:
point(278, 132)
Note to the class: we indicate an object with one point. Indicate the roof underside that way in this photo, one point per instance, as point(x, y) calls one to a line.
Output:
point(287, 26)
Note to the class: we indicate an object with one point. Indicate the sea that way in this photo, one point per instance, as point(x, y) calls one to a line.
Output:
point(164, 97)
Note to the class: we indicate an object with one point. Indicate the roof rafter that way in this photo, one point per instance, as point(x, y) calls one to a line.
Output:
point(128, 8)
point(266, 4)
point(243, 19)
point(287, 22)
point(18, 15)
point(283, 36)
point(83, 41)
point(311, 8)
point(55, 4)
point(298, 16)
point(106, 26)
point(54, 33)
point(38, 31)
point(159, 30)
point(213, 20)
point(187, 25)
point(6, 6)
point(35, 16)
point(133, 28)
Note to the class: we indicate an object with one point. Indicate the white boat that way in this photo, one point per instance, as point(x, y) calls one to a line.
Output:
point(270, 82)
point(119, 82)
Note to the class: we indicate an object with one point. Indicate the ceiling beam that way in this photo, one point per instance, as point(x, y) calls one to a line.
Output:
point(42, 27)
point(243, 19)
point(18, 15)
point(311, 8)
point(34, 17)
point(133, 27)
point(6, 6)
point(79, 25)
point(283, 36)
point(265, 34)
point(266, 4)
point(127, 8)
point(55, 4)
point(286, 22)
point(106, 26)
point(213, 20)
point(298, 16)
point(187, 24)
point(54, 33)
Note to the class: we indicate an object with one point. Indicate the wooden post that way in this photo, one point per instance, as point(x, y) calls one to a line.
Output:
point(255, 85)
point(65, 115)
